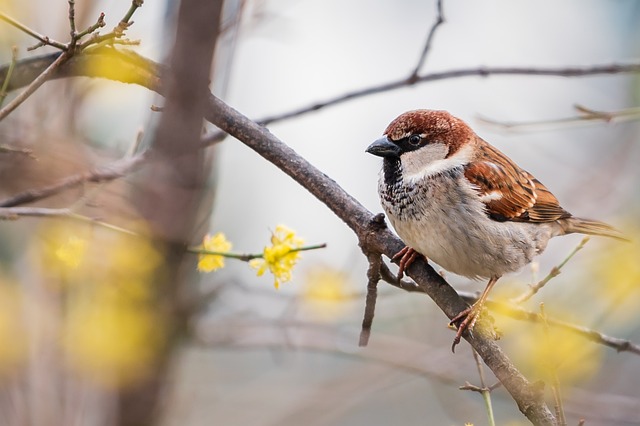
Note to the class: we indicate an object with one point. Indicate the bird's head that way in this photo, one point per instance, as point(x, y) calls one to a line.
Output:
point(425, 142)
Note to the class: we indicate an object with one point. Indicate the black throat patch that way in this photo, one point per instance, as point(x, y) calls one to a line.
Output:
point(392, 169)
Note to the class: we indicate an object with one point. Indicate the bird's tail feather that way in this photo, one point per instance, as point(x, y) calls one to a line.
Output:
point(591, 227)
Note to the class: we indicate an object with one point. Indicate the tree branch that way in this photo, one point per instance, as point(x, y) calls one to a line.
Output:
point(427, 46)
point(114, 170)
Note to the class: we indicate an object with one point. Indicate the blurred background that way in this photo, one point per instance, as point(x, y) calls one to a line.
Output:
point(254, 355)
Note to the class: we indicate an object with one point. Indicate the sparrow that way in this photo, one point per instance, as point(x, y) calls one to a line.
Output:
point(457, 200)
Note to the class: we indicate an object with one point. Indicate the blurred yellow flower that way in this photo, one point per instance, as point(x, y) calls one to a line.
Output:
point(211, 262)
point(71, 252)
point(111, 339)
point(325, 291)
point(65, 247)
point(617, 279)
point(111, 330)
point(281, 256)
point(542, 354)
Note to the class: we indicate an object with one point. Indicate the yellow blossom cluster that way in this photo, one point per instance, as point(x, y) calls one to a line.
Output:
point(208, 262)
point(281, 256)
point(110, 329)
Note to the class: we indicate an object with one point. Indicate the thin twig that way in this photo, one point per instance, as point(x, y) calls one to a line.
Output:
point(135, 4)
point(114, 170)
point(5, 83)
point(35, 84)
point(554, 272)
point(72, 22)
point(613, 68)
point(427, 46)
point(246, 257)
point(43, 39)
point(485, 391)
point(553, 371)
point(22, 151)
point(99, 24)
point(13, 213)
point(373, 276)
point(516, 312)
point(125, 22)
point(587, 116)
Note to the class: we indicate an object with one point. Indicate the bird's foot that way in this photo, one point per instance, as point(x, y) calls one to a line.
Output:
point(405, 258)
point(465, 320)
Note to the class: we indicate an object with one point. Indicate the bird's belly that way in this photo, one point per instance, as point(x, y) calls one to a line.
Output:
point(451, 228)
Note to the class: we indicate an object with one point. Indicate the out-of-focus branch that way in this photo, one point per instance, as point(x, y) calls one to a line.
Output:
point(555, 271)
point(44, 40)
point(33, 86)
point(169, 190)
point(516, 312)
point(587, 115)
point(106, 173)
point(12, 213)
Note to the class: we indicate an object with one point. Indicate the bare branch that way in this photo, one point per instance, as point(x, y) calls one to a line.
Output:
point(516, 312)
point(114, 170)
point(43, 39)
point(373, 276)
point(613, 68)
point(13, 213)
point(588, 115)
point(427, 46)
point(35, 84)
point(7, 79)
point(555, 271)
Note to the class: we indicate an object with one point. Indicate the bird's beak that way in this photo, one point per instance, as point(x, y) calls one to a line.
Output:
point(383, 147)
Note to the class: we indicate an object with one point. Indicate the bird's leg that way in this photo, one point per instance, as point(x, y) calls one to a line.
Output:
point(406, 257)
point(469, 316)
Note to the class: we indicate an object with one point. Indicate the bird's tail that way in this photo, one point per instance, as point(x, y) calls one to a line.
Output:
point(591, 227)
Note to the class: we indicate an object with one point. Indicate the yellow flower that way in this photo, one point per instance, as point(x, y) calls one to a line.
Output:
point(212, 262)
point(281, 257)
point(71, 251)
point(111, 338)
point(65, 247)
point(325, 292)
point(554, 352)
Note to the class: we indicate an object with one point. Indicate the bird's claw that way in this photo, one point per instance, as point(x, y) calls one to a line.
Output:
point(405, 258)
point(467, 320)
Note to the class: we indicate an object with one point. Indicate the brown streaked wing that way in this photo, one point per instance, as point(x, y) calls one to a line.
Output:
point(517, 195)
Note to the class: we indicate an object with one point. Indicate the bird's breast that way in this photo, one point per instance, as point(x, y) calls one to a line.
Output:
point(443, 218)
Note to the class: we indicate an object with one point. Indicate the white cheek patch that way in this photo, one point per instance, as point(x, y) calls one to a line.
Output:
point(431, 160)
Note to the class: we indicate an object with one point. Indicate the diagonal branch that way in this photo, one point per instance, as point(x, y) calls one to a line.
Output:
point(106, 173)
point(35, 84)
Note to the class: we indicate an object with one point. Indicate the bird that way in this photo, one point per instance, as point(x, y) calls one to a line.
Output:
point(457, 200)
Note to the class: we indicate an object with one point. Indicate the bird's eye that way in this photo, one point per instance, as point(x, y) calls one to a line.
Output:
point(415, 140)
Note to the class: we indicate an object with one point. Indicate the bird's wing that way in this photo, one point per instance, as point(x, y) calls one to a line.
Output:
point(510, 193)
